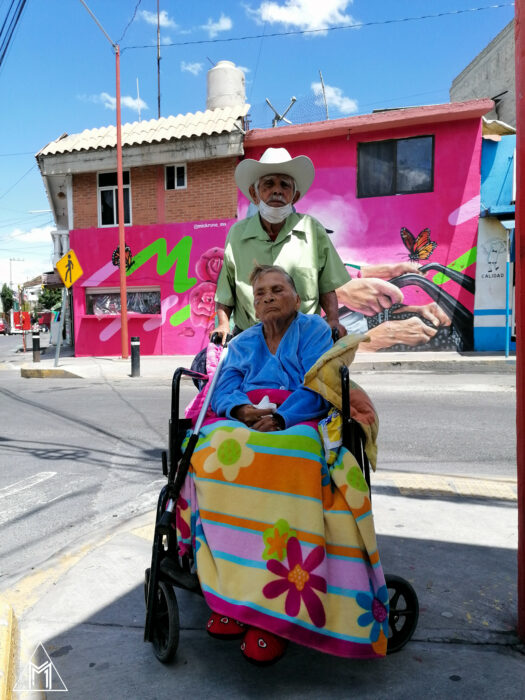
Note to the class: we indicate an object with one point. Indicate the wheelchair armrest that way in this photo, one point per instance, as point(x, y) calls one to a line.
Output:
point(175, 388)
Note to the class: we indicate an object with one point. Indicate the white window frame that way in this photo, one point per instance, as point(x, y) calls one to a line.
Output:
point(177, 187)
point(113, 188)
point(92, 291)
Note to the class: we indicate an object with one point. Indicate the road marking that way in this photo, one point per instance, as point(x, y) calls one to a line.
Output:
point(417, 484)
point(26, 483)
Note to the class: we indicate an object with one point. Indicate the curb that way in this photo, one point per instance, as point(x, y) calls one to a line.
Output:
point(8, 640)
point(47, 374)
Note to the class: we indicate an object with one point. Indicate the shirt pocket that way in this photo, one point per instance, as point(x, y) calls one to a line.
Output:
point(307, 283)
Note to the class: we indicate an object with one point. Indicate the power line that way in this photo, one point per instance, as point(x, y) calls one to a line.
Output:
point(357, 25)
point(128, 25)
point(13, 17)
point(16, 183)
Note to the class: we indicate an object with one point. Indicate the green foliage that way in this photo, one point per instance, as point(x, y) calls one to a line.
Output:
point(48, 298)
point(7, 298)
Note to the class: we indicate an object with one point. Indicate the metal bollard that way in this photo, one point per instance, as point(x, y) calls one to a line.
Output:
point(135, 356)
point(36, 346)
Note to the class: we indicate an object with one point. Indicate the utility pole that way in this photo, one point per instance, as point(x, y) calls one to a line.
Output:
point(11, 261)
point(519, 29)
point(324, 94)
point(120, 199)
point(158, 59)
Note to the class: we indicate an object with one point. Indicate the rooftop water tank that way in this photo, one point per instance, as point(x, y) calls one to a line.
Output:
point(225, 86)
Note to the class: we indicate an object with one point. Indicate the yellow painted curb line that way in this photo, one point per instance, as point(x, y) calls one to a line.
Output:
point(47, 374)
point(8, 638)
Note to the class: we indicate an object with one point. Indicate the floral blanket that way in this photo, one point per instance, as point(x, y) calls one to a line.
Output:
point(284, 542)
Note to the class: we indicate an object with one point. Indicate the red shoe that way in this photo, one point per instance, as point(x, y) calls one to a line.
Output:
point(262, 648)
point(222, 627)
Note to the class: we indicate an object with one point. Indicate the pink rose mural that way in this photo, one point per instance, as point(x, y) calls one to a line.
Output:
point(202, 303)
point(209, 264)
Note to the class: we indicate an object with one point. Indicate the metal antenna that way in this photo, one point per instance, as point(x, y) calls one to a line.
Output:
point(281, 117)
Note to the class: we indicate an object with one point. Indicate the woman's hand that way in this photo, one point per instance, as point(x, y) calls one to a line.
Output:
point(256, 418)
point(248, 414)
point(267, 424)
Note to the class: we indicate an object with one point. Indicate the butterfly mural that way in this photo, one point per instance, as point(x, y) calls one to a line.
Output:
point(420, 248)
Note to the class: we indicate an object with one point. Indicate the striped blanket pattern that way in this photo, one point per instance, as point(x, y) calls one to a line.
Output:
point(283, 542)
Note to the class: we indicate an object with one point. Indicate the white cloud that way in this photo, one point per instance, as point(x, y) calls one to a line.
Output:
point(304, 14)
point(334, 98)
point(164, 20)
point(193, 68)
point(244, 69)
point(31, 251)
point(223, 24)
point(38, 234)
point(110, 102)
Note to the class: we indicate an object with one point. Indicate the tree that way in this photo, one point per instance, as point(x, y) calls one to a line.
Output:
point(7, 298)
point(49, 297)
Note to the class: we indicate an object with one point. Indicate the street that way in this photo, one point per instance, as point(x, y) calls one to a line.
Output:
point(81, 455)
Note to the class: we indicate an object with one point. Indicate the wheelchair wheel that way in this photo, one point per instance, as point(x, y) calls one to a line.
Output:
point(166, 625)
point(404, 612)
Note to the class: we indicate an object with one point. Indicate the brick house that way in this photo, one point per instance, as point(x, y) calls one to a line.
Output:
point(179, 200)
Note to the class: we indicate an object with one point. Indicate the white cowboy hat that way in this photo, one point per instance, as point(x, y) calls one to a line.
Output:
point(275, 161)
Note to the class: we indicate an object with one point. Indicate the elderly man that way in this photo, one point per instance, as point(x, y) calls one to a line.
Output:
point(277, 235)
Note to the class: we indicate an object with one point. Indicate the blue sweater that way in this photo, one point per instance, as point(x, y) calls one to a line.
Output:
point(250, 365)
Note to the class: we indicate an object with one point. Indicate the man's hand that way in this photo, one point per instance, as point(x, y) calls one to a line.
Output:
point(432, 312)
point(222, 330)
point(334, 323)
point(369, 296)
point(410, 331)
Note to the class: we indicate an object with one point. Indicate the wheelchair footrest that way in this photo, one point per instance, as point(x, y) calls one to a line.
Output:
point(172, 573)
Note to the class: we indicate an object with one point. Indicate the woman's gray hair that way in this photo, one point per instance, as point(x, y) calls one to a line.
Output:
point(260, 270)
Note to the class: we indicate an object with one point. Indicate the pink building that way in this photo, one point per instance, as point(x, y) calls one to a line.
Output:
point(392, 186)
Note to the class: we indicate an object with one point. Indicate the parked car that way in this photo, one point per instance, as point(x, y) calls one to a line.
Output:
point(4, 328)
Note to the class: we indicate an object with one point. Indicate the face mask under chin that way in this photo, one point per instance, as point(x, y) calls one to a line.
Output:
point(274, 214)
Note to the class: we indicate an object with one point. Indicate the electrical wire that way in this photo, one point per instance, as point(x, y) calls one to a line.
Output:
point(357, 25)
point(16, 183)
point(15, 18)
point(128, 25)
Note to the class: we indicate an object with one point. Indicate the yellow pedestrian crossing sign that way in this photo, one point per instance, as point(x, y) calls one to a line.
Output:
point(69, 268)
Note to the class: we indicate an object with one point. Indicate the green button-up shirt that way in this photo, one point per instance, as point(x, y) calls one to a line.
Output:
point(302, 248)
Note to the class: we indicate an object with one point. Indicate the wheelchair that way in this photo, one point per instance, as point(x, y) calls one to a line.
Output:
point(168, 570)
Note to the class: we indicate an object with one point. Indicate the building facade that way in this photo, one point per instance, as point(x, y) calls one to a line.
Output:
point(398, 185)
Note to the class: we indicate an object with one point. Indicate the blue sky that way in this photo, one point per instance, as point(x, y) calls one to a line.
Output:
point(59, 74)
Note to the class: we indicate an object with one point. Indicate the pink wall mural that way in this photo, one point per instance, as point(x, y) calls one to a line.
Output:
point(173, 268)
point(437, 230)
point(171, 280)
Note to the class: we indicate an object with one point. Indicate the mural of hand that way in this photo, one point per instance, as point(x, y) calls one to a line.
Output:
point(410, 331)
point(432, 312)
point(390, 270)
point(369, 296)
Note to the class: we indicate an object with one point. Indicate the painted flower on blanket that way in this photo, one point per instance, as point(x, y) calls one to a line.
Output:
point(376, 606)
point(298, 582)
point(275, 539)
point(230, 453)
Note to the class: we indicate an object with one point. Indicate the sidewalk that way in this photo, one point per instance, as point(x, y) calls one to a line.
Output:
point(453, 538)
point(163, 366)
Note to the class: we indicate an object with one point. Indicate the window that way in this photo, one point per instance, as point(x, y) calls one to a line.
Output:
point(397, 166)
point(107, 199)
point(176, 177)
point(106, 301)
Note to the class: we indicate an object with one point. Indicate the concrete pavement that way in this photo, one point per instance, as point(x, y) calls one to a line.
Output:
point(453, 538)
point(163, 366)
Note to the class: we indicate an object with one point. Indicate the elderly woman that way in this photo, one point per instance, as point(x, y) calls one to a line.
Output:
point(284, 545)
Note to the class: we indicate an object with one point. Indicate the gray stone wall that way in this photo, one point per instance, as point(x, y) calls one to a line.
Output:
point(490, 74)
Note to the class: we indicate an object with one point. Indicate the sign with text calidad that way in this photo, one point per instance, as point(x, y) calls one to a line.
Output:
point(69, 268)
